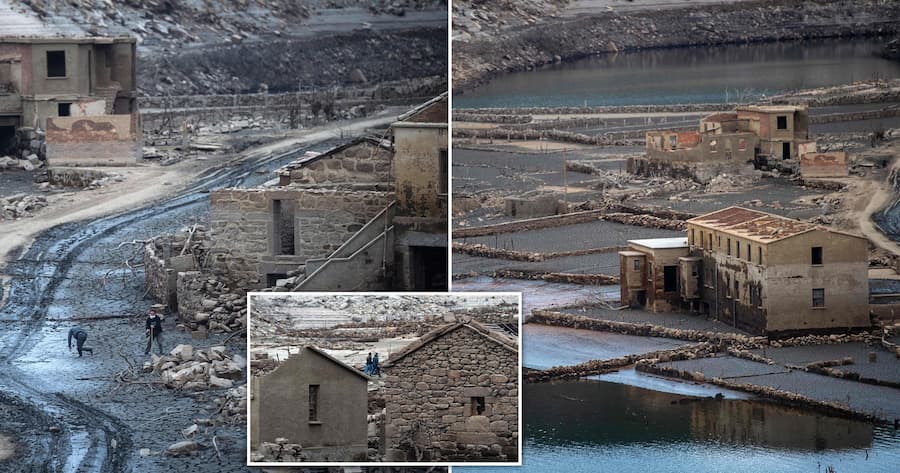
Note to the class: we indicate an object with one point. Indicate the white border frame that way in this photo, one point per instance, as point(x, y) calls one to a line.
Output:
point(520, 422)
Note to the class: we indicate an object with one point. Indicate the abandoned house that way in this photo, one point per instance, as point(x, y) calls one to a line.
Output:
point(730, 142)
point(314, 400)
point(367, 215)
point(69, 100)
point(762, 273)
point(453, 396)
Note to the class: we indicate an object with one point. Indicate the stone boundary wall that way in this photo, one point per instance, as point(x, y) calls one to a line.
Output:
point(478, 249)
point(785, 397)
point(491, 118)
point(597, 367)
point(561, 319)
point(629, 138)
point(659, 108)
point(158, 278)
point(529, 224)
point(585, 279)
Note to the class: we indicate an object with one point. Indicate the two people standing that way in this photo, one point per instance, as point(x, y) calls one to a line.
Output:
point(373, 367)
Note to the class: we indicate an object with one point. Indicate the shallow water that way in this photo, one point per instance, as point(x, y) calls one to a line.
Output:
point(687, 75)
point(590, 425)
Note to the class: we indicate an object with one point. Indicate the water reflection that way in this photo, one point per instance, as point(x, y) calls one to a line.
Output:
point(595, 412)
point(688, 75)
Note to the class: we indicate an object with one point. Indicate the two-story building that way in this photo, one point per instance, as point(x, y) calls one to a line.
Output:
point(80, 93)
point(760, 272)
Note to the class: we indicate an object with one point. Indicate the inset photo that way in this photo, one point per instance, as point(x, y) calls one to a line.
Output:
point(417, 378)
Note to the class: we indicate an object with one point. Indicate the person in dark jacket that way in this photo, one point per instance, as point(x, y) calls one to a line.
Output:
point(376, 367)
point(154, 331)
point(80, 336)
point(368, 369)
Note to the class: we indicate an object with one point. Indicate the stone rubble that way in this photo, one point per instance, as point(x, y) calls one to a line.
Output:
point(20, 206)
point(193, 370)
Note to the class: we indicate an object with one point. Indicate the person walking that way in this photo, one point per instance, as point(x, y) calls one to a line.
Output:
point(80, 336)
point(376, 368)
point(154, 331)
point(368, 369)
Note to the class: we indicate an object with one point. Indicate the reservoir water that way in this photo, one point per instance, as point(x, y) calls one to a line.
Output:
point(597, 426)
point(688, 75)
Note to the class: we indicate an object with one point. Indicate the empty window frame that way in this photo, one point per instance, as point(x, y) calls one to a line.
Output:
point(759, 255)
point(748, 252)
point(742, 144)
point(818, 297)
point(781, 122)
point(710, 242)
point(477, 406)
point(737, 249)
point(692, 237)
point(816, 255)
point(56, 64)
point(728, 242)
point(728, 286)
point(64, 109)
point(737, 289)
point(637, 264)
point(313, 402)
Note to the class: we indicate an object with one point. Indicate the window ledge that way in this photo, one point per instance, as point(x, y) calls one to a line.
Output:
point(314, 422)
point(58, 78)
point(819, 308)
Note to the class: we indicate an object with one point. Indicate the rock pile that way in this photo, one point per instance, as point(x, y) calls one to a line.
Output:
point(30, 162)
point(281, 450)
point(21, 205)
point(207, 304)
point(193, 370)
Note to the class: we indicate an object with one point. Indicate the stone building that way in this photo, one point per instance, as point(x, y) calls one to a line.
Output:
point(453, 396)
point(367, 215)
point(730, 142)
point(760, 272)
point(314, 400)
point(79, 94)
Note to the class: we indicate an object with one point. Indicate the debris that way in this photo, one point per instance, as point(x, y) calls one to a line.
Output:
point(183, 448)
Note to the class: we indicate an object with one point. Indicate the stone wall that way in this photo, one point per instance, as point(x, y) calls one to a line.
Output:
point(429, 396)
point(242, 228)
point(362, 161)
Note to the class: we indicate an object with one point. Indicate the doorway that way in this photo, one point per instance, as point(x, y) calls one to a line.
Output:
point(428, 268)
point(785, 151)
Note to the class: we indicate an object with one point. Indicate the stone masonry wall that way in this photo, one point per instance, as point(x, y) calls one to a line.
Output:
point(429, 401)
point(363, 162)
point(241, 222)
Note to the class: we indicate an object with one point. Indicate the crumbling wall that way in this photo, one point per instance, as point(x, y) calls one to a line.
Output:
point(529, 206)
point(100, 140)
point(429, 396)
point(825, 164)
point(701, 172)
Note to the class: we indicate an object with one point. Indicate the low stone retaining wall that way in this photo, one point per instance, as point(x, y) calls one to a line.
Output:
point(529, 224)
point(793, 399)
point(478, 249)
point(569, 278)
point(561, 319)
point(596, 367)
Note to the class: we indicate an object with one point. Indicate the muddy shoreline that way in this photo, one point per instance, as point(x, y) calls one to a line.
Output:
point(479, 60)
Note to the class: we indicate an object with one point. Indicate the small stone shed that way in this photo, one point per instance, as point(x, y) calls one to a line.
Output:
point(315, 400)
point(453, 396)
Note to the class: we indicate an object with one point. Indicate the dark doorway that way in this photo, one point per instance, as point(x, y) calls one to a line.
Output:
point(785, 151)
point(64, 109)
point(272, 279)
point(670, 278)
point(428, 265)
point(283, 226)
point(7, 139)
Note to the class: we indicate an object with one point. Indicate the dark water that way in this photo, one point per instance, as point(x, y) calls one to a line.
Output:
point(596, 426)
point(687, 75)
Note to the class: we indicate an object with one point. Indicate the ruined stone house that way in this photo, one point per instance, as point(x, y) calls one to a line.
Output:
point(314, 400)
point(71, 100)
point(730, 142)
point(453, 396)
point(762, 273)
point(367, 215)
